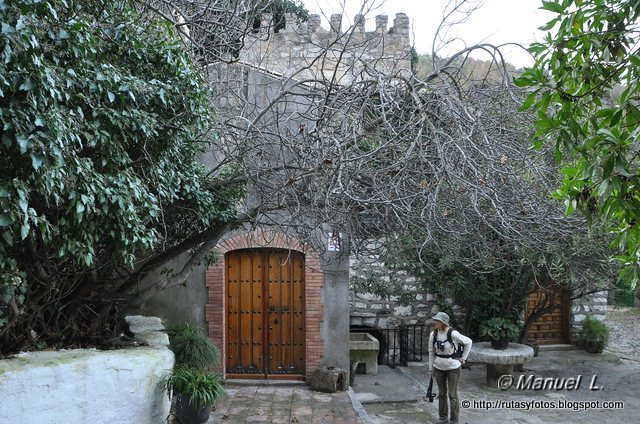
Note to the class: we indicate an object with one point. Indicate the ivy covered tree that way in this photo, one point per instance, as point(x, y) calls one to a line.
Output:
point(102, 120)
point(584, 90)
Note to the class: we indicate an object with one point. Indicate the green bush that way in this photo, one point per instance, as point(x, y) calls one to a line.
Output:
point(595, 335)
point(192, 348)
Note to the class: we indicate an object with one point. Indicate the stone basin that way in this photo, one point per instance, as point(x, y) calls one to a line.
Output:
point(363, 348)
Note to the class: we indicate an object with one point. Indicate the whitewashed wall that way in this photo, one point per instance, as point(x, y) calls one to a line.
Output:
point(88, 385)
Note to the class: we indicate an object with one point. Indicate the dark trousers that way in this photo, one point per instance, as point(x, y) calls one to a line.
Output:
point(447, 391)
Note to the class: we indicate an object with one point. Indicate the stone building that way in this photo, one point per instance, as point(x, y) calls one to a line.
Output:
point(276, 308)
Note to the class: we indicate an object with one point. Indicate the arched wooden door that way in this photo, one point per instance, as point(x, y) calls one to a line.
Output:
point(265, 314)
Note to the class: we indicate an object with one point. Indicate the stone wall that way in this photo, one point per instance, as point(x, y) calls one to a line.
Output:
point(88, 385)
point(351, 55)
point(593, 305)
point(379, 311)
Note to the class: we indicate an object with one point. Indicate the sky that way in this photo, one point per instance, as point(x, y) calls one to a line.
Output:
point(495, 21)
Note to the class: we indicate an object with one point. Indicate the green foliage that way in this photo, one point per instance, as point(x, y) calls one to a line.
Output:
point(497, 328)
point(583, 88)
point(192, 348)
point(595, 334)
point(102, 121)
point(498, 285)
point(203, 389)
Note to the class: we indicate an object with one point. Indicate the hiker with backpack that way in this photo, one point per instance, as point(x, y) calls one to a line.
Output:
point(448, 350)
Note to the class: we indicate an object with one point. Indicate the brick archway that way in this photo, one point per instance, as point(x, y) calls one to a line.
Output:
point(215, 282)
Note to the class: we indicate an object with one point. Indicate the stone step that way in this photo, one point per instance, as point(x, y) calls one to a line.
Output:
point(555, 347)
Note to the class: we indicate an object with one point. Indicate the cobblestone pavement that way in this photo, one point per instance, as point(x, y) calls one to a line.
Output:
point(283, 404)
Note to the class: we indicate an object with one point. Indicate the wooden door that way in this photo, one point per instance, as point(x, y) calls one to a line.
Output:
point(265, 314)
point(552, 327)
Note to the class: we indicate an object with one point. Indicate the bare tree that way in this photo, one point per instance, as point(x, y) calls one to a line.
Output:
point(342, 133)
point(326, 128)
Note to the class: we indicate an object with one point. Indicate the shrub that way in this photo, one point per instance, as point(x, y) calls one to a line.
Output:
point(192, 348)
point(595, 335)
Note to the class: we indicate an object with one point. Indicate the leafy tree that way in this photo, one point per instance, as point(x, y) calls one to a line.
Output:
point(103, 121)
point(500, 285)
point(584, 91)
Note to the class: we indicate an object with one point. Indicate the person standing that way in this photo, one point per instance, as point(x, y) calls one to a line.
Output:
point(445, 362)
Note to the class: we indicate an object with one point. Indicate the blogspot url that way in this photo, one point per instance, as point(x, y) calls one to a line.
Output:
point(541, 404)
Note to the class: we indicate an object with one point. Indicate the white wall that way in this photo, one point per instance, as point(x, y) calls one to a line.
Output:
point(88, 385)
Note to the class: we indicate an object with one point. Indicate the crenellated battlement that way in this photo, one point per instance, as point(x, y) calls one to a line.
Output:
point(400, 25)
point(309, 51)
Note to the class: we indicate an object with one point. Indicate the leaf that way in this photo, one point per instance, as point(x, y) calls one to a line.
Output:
point(111, 96)
point(549, 25)
point(570, 206)
point(616, 117)
point(8, 237)
point(522, 81)
point(621, 169)
point(608, 166)
point(36, 161)
point(26, 85)
point(24, 231)
point(5, 220)
point(24, 205)
point(23, 142)
point(552, 6)
point(527, 102)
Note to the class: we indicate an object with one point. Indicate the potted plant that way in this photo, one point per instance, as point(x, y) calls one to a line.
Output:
point(195, 386)
point(499, 331)
point(595, 335)
point(195, 391)
point(191, 347)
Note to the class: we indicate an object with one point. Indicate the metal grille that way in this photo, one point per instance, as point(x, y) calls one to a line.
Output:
point(399, 346)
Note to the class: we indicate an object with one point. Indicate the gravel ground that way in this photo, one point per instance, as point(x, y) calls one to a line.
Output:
point(624, 326)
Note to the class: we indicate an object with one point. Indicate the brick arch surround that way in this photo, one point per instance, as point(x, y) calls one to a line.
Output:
point(314, 279)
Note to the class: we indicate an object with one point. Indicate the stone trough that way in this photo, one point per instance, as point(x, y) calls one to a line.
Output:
point(363, 349)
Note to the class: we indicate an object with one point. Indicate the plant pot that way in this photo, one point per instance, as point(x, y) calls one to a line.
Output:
point(500, 344)
point(186, 414)
point(594, 346)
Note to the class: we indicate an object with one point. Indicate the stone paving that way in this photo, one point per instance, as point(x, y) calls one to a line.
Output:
point(396, 396)
point(618, 379)
point(278, 404)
